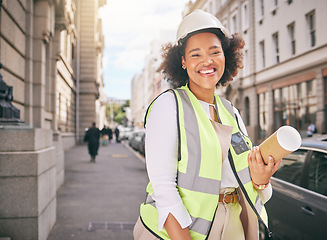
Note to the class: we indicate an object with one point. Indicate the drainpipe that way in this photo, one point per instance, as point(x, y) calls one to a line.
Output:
point(78, 73)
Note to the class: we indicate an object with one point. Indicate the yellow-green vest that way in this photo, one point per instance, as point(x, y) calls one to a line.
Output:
point(200, 163)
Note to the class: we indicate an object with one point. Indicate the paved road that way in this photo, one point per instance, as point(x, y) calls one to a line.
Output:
point(100, 200)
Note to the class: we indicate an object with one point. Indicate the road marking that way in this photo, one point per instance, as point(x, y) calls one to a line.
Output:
point(119, 155)
point(111, 226)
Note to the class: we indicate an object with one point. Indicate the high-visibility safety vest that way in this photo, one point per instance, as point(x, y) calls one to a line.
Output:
point(200, 165)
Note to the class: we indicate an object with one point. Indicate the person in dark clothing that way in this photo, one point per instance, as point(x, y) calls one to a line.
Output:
point(106, 131)
point(105, 135)
point(109, 134)
point(117, 134)
point(92, 136)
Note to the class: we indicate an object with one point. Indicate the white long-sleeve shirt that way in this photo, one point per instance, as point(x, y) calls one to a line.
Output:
point(161, 160)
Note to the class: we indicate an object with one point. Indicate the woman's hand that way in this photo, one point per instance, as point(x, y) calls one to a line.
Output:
point(175, 231)
point(261, 172)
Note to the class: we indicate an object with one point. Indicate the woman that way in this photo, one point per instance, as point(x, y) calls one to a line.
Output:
point(205, 181)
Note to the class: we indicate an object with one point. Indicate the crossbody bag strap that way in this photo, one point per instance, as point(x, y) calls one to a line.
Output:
point(231, 161)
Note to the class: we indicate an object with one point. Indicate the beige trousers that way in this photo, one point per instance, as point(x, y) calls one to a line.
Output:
point(226, 225)
point(141, 233)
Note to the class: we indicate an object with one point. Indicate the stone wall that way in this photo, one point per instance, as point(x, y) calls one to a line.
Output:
point(28, 182)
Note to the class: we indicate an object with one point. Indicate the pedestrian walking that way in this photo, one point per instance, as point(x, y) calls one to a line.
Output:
point(207, 180)
point(109, 134)
point(106, 133)
point(117, 134)
point(92, 137)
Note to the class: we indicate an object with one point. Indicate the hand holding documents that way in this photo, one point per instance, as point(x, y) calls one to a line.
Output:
point(281, 143)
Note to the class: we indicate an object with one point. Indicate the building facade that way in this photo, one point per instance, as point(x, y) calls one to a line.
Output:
point(284, 78)
point(137, 99)
point(92, 100)
point(149, 83)
point(51, 54)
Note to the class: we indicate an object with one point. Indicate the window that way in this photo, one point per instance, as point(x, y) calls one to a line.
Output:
point(263, 115)
point(262, 51)
point(247, 111)
point(262, 8)
point(312, 101)
point(278, 109)
point(246, 63)
point(245, 16)
point(59, 108)
point(291, 33)
point(295, 105)
point(275, 3)
point(276, 47)
point(274, 7)
point(312, 28)
point(233, 27)
point(318, 173)
point(290, 169)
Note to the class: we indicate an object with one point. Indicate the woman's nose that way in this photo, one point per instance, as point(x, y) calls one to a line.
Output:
point(207, 60)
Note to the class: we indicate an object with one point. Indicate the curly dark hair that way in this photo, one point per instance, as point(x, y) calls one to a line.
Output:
point(177, 76)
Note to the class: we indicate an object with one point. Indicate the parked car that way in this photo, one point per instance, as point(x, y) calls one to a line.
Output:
point(298, 207)
point(137, 142)
point(125, 133)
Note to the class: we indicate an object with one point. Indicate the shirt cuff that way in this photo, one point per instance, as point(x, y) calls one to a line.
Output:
point(265, 194)
point(179, 211)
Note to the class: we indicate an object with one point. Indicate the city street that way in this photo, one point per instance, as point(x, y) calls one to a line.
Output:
point(73, 67)
point(101, 200)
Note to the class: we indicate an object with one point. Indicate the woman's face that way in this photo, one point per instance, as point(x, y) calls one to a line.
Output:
point(204, 61)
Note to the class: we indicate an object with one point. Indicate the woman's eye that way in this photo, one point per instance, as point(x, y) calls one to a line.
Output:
point(215, 53)
point(195, 55)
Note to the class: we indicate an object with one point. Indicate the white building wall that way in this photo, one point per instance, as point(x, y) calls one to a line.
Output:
point(144, 85)
point(277, 19)
point(137, 101)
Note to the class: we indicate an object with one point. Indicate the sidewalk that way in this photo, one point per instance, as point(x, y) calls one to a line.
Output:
point(100, 200)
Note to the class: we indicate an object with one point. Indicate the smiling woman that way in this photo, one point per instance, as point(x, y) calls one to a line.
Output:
point(231, 48)
point(203, 173)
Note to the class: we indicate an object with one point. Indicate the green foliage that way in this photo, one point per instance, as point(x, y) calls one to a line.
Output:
point(116, 111)
point(119, 116)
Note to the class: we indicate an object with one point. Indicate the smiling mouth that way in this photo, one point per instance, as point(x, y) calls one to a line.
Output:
point(207, 71)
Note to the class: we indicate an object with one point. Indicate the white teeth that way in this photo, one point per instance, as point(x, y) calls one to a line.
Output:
point(207, 71)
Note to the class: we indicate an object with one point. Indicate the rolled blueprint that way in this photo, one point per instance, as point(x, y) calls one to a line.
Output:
point(281, 143)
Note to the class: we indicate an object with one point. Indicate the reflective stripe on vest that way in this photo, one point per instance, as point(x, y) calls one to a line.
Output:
point(191, 179)
point(200, 191)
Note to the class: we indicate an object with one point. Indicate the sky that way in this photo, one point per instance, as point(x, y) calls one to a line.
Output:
point(129, 26)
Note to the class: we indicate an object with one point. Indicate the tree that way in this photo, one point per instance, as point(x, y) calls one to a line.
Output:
point(115, 112)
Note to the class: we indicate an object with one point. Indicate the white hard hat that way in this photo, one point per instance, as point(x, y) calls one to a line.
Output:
point(199, 20)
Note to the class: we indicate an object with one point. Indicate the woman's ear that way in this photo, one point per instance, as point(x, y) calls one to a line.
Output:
point(183, 63)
